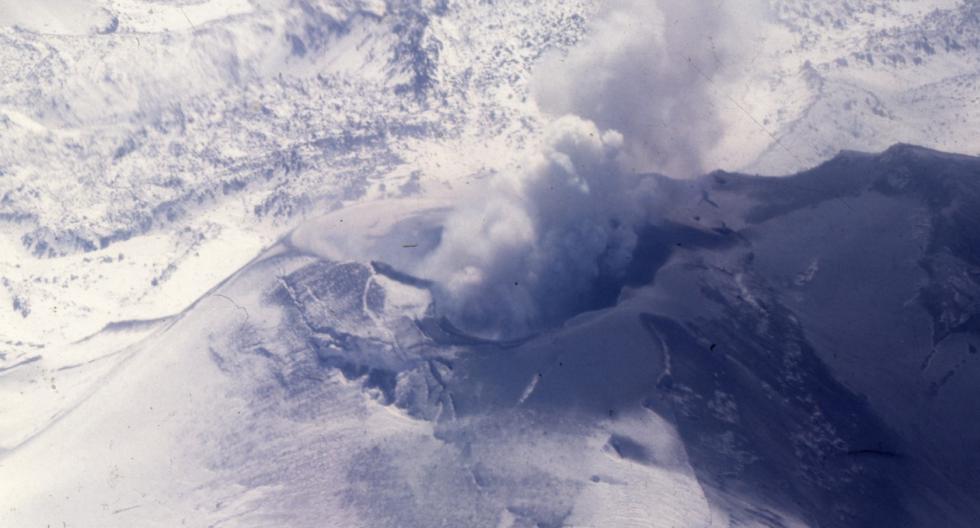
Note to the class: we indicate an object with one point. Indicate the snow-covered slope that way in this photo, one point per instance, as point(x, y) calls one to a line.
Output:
point(781, 352)
point(133, 158)
point(863, 75)
point(868, 265)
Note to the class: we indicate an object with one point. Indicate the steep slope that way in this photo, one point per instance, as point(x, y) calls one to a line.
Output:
point(873, 260)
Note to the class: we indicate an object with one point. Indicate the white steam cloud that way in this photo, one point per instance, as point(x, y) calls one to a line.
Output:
point(644, 71)
point(527, 251)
